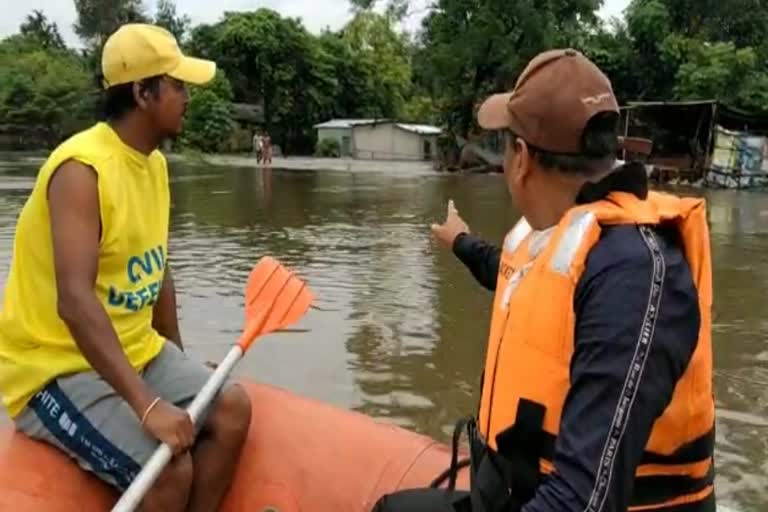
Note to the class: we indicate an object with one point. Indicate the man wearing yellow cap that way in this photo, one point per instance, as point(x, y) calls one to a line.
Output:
point(597, 389)
point(91, 358)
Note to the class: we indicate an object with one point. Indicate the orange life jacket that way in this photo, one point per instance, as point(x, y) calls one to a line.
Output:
point(532, 340)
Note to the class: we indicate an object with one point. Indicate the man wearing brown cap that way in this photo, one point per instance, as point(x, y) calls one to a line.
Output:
point(596, 394)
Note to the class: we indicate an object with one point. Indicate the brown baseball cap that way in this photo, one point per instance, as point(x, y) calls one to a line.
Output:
point(554, 98)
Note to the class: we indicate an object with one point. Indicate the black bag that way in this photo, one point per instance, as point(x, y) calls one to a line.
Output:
point(500, 481)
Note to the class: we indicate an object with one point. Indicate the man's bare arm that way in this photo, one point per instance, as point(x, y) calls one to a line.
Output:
point(75, 226)
point(164, 318)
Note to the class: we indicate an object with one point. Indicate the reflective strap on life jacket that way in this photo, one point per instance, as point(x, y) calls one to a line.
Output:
point(571, 241)
point(516, 236)
point(514, 280)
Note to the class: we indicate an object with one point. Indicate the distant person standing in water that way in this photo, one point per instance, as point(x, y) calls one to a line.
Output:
point(91, 359)
point(267, 149)
point(258, 146)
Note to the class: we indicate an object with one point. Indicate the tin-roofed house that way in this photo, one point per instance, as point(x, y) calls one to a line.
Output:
point(383, 139)
point(390, 140)
point(340, 131)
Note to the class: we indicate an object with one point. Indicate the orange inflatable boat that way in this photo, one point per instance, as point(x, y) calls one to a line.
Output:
point(301, 455)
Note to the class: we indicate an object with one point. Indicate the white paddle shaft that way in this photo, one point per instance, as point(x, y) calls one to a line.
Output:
point(132, 496)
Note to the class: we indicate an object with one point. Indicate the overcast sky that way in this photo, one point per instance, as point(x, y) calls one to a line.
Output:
point(316, 14)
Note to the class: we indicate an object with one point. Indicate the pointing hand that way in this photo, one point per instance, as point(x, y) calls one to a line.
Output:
point(453, 226)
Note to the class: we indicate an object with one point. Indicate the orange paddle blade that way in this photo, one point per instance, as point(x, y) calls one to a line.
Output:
point(274, 299)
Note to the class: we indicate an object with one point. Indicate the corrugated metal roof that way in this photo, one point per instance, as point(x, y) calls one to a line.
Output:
point(421, 129)
point(344, 123)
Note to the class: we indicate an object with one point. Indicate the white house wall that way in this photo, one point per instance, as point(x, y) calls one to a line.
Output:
point(386, 142)
point(407, 144)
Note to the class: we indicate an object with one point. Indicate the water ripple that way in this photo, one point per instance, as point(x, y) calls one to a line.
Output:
point(400, 327)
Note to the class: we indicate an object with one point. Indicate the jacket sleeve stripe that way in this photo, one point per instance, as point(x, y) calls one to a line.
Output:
point(632, 381)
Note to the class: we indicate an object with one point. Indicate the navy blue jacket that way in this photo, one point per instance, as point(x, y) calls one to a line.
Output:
point(610, 303)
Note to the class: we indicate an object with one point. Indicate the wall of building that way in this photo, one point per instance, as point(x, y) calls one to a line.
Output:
point(432, 155)
point(387, 142)
point(340, 134)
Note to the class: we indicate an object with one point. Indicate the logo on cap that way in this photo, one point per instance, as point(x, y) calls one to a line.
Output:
point(594, 100)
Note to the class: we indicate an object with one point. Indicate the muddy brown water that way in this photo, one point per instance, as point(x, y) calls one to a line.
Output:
point(401, 328)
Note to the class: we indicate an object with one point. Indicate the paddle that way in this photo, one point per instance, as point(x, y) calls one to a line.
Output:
point(274, 299)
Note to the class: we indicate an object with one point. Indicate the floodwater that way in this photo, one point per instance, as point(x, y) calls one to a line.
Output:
point(401, 326)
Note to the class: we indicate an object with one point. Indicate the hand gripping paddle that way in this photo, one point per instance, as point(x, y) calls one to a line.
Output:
point(274, 299)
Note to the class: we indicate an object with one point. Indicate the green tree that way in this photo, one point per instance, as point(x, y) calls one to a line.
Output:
point(98, 19)
point(353, 94)
point(258, 50)
point(370, 81)
point(611, 50)
point(202, 41)
point(36, 25)
point(469, 48)
point(657, 52)
point(395, 9)
point(273, 61)
point(362, 5)
point(363, 70)
point(208, 122)
point(465, 50)
point(742, 22)
point(167, 17)
point(691, 49)
point(653, 55)
point(421, 109)
point(721, 71)
point(382, 55)
point(43, 93)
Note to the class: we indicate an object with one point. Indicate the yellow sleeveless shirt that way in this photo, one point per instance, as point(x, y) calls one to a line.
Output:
point(35, 344)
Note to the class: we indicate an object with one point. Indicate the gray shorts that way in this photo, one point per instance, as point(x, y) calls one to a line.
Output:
point(83, 416)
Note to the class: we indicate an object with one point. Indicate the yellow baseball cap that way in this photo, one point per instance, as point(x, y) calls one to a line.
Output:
point(137, 51)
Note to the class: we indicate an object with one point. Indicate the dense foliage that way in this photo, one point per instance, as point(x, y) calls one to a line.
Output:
point(465, 49)
point(208, 122)
point(45, 92)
